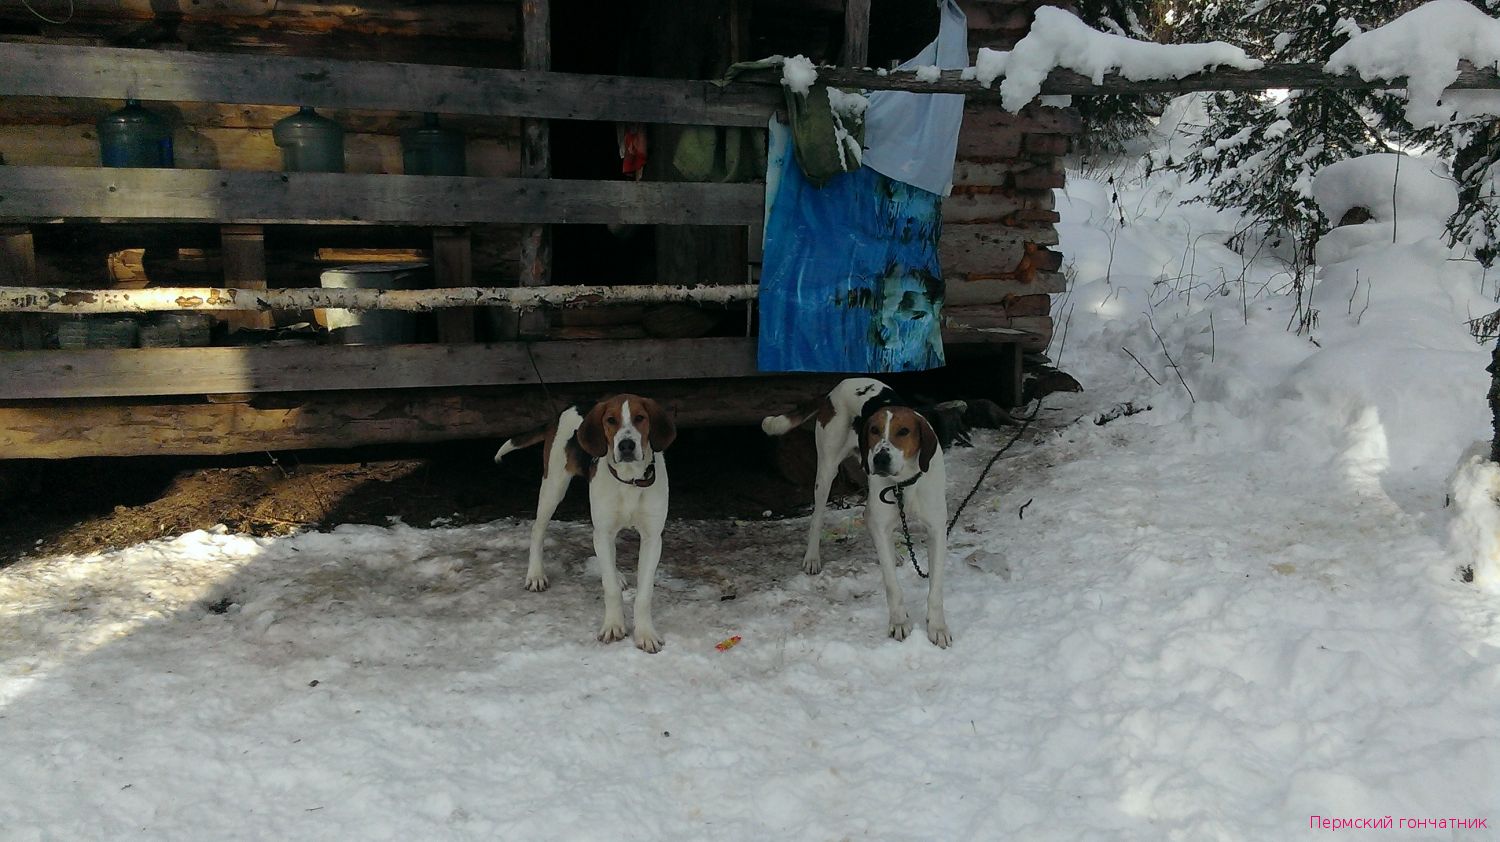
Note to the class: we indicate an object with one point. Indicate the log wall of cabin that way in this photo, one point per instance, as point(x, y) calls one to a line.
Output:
point(999, 219)
point(59, 131)
point(999, 222)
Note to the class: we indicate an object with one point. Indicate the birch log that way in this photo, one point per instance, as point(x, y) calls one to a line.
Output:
point(179, 299)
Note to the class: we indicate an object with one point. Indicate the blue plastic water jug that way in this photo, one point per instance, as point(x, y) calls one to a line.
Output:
point(134, 137)
point(431, 149)
point(309, 142)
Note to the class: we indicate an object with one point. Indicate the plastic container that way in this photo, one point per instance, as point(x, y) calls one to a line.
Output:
point(374, 327)
point(193, 329)
point(113, 332)
point(73, 335)
point(161, 334)
point(134, 137)
point(431, 149)
point(309, 142)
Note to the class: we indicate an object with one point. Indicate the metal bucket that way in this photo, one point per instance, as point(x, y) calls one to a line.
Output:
point(374, 327)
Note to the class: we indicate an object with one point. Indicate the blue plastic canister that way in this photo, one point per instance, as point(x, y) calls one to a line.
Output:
point(309, 142)
point(134, 137)
point(431, 149)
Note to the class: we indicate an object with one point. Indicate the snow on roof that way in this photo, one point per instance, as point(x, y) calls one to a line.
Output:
point(1425, 45)
point(1060, 39)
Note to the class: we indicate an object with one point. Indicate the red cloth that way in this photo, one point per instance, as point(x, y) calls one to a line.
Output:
point(633, 150)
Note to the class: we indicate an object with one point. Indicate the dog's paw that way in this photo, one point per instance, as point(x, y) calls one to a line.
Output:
point(611, 631)
point(648, 641)
point(939, 635)
point(812, 565)
point(900, 630)
point(536, 583)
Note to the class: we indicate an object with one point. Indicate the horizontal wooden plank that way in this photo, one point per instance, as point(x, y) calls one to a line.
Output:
point(976, 204)
point(987, 249)
point(112, 73)
point(1068, 82)
point(95, 194)
point(202, 36)
point(963, 291)
point(1032, 333)
point(68, 429)
point(389, 18)
point(982, 116)
point(989, 143)
point(143, 372)
point(1017, 305)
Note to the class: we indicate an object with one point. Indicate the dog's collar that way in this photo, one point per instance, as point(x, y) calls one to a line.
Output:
point(897, 488)
point(646, 481)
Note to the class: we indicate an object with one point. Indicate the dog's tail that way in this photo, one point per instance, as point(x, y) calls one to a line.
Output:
point(776, 425)
point(524, 440)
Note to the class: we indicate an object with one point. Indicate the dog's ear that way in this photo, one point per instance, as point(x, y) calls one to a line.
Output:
point(929, 443)
point(862, 435)
point(663, 431)
point(591, 435)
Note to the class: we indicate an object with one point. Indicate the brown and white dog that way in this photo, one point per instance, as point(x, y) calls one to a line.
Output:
point(617, 444)
point(899, 451)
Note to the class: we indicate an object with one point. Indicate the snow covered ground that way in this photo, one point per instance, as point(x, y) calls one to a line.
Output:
point(1216, 618)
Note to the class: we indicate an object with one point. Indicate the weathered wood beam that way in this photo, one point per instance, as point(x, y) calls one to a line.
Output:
point(139, 372)
point(1066, 82)
point(536, 162)
point(386, 18)
point(243, 249)
point(72, 429)
point(453, 266)
point(17, 255)
point(185, 299)
point(111, 73)
point(856, 51)
point(100, 194)
point(997, 285)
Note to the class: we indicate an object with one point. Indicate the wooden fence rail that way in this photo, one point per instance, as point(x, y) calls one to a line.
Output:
point(103, 194)
point(115, 73)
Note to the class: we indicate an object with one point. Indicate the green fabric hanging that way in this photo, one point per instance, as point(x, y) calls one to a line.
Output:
point(719, 154)
point(828, 140)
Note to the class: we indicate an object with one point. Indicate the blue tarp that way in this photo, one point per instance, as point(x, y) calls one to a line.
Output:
point(850, 281)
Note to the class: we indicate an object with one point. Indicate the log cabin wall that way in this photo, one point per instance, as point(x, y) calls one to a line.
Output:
point(998, 229)
point(999, 223)
point(60, 131)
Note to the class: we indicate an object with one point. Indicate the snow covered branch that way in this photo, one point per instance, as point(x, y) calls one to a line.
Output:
point(1062, 55)
point(1067, 82)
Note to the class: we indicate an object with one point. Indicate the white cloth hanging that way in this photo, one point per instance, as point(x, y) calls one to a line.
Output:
point(913, 137)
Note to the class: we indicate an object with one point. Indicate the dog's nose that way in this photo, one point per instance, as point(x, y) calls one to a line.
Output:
point(882, 461)
point(626, 448)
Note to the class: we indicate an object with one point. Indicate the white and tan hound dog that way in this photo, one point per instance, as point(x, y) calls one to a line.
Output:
point(901, 455)
point(625, 436)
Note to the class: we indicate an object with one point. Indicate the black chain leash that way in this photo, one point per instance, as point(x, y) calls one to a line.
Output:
point(993, 459)
point(898, 492)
